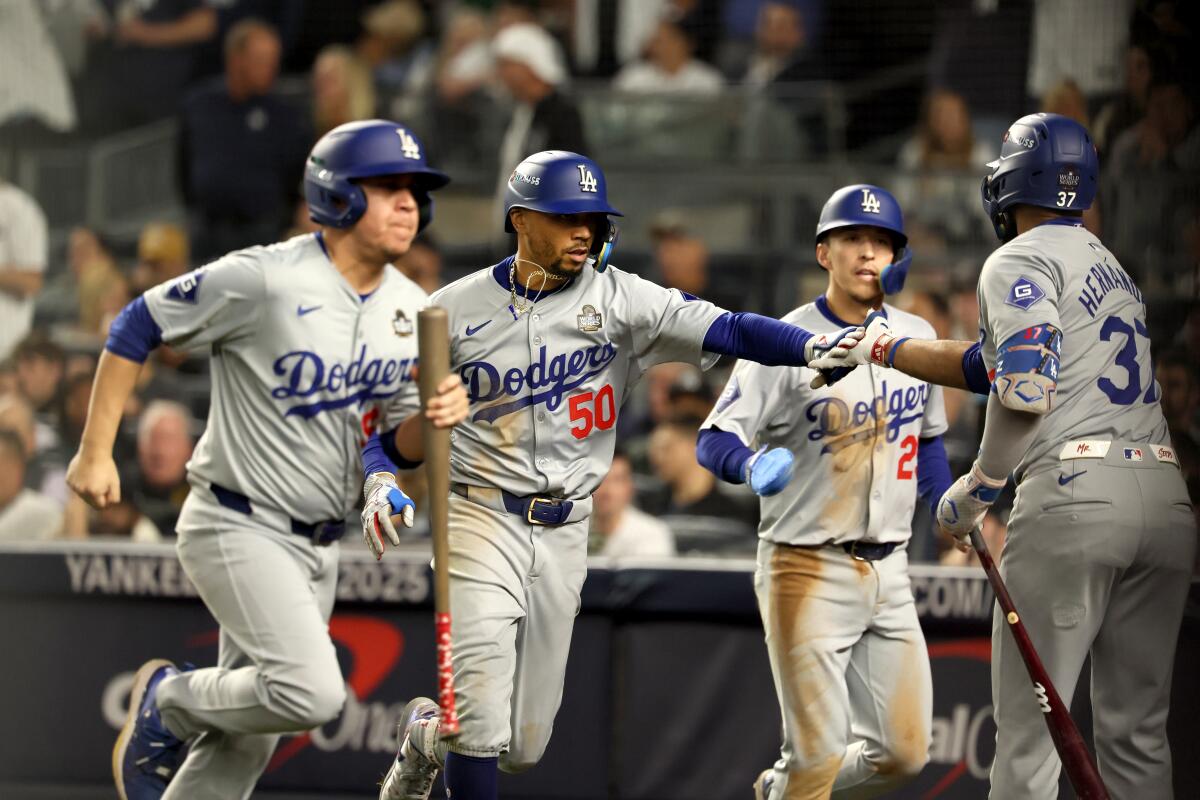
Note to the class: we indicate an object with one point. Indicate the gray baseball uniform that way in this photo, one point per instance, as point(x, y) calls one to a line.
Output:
point(301, 367)
point(1102, 539)
point(545, 388)
point(845, 645)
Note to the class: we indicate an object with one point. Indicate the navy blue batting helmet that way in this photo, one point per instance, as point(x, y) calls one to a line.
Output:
point(864, 204)
point(365, 149)
point(562, 182)
point(1048, 161)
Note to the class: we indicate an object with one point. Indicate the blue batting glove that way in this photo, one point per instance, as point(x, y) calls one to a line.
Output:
point(768, 471)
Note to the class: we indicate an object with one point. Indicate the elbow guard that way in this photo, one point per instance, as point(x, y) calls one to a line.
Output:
point(1027, 369)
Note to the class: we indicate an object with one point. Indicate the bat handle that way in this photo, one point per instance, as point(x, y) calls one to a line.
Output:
point(977, 540)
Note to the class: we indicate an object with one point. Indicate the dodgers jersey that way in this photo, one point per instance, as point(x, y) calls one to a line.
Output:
point(546, 385)
point(302, 368)
point(1061, 275)
point(855, 442)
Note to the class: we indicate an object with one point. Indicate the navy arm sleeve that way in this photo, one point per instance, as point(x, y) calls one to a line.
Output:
point(374, 459)
point(388, 442)
point(134, 333)
point(933, 471)
point(974, 371)
point(768, 341)
point(723, 454)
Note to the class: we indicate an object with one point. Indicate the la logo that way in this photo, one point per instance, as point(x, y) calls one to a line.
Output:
point(587, 181)
point(408, 144)
point(870, 202)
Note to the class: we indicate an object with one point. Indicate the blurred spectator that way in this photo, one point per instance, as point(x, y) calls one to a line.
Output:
point(76, 394)
point(689, 489)
point(33, 80)
point(669, 66)
point(162, 254)
point(8, 376)
point(45, 462)
point(941, 195)
point(393, 48)
point(935, 308)
point(164, 445)
point(530, 65)
point(619, 527)
point(24, 514)
point(40, 365)
point(1066, 98)
point(102, 295)
point(1179, 383)
point(422, 264)
point(609, 35)
point(243, 147)
point(342, 90)
point(1123, 111)
point(779, 53)
point(58, 304)
point(681, 261)
point(151, 55)
point(1083, 38)
point(464, 61)
point(1165, 138)
point(23, 252)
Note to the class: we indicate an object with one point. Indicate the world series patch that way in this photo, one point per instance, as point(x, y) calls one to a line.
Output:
point(1024, 294)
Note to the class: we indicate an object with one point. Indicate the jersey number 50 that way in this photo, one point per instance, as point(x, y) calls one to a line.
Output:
point(592, 410)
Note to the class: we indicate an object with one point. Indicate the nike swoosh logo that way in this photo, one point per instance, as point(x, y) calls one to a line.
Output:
point(301, 310)
point(1063, 480)
point(472, 331)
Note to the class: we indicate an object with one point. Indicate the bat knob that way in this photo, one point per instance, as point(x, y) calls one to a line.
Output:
point(1013, 619)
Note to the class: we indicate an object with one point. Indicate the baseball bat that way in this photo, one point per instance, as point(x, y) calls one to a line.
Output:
point(1075, 756)
point(433, 339)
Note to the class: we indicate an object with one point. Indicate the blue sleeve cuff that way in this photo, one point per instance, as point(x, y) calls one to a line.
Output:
point(974, 371)
point(768, 341)
point(388, 440)
point(373, 457)
point(723, 454)
point(933, 471)
point(134, 333)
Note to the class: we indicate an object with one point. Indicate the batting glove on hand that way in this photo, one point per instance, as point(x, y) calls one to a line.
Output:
point(828, 352)
point(966, 501)
point(874, 343)
point(384, 500)
point(768, 471)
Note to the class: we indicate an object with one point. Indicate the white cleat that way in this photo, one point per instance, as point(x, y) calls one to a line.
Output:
point(415, 768)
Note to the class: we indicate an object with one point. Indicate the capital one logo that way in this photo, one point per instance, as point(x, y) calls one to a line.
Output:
point(587, 181)
point(870, 203)
point(408, 144)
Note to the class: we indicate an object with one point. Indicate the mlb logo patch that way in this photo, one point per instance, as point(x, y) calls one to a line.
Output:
point(1133, 454)
point(1024, 293)
point(186, 289)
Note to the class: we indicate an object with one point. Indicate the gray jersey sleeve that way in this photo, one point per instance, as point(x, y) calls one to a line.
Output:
point(215, 303)
point(1018, 288)
point(663, 324)
point(748, 405)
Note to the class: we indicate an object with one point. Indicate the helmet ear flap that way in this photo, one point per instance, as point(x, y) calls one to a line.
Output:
point(603, 246)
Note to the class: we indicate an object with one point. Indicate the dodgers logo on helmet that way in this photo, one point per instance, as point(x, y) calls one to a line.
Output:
point(366, 149)
point(864, 204)
point(562, 182)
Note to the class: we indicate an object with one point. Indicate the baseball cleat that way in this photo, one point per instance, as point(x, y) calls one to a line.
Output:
point(763, 783)
point(414, 770)
point(146, 755)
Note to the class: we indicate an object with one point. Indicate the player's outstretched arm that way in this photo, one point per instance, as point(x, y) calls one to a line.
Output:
point(92, 473)
point(772, 342)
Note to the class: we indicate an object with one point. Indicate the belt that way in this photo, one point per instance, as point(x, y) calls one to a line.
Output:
point(869, 551)
point(321, 534)
point(1128, 451)
point(533, 509)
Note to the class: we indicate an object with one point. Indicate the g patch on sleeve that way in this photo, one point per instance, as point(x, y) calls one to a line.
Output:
point(186, 288)
point(729, 396)
point(1024, 294)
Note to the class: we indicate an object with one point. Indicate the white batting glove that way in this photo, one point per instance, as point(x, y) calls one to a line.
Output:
point(383, 501)
point(835, 346)
point(964, 504)
point(874, 342)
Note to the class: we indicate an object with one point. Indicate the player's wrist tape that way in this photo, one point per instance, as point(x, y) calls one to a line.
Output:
point(879, 348)
point(891, 356)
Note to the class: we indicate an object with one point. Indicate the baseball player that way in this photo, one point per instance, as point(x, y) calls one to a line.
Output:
point(849, 660)
point(311, 340)
point(1102, 539)
point(548, 342)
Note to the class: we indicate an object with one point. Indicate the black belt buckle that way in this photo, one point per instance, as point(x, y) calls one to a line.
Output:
point(552, 514)
point(870, 551)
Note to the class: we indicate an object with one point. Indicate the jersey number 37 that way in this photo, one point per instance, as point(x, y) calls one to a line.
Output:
point(1127, 359)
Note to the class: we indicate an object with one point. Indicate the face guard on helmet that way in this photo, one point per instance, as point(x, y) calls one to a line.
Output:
point(367, 149)
point(562, 182)
point(864, 204)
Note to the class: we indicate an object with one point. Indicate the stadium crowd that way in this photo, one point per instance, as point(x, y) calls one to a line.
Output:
point(251, 84)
